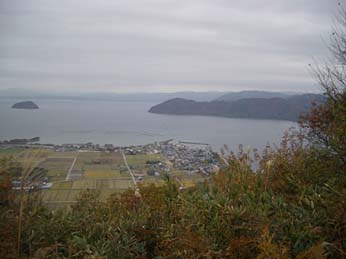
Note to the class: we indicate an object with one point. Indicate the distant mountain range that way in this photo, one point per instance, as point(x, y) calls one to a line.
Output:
point(233, 96)
point(281, 107)
point(25, 94)
point(22, 94)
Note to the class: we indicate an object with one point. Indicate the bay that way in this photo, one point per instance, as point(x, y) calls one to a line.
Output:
point(125, 123)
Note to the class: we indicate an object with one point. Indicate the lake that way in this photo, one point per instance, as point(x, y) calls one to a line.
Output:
point(125, 123)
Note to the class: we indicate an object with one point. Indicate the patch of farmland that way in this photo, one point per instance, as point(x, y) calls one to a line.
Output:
point(102, 174)
point(97, 167)
point(57, 167)
point(157, 181)
point(56, 175)
point(57, 162)
point(10, 151)
point(62, 185)
point(142, 159)
point(119, 184)
point(62, 195)
point(49, 195)
point(84, 184)
point(88, 156)
point(64, 154)
point(45, 194)
point(33, 155)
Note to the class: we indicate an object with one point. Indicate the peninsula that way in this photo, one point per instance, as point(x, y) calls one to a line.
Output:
point(276, 108)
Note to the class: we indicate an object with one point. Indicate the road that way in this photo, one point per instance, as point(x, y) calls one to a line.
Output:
point(69, 171)
point(137, 193)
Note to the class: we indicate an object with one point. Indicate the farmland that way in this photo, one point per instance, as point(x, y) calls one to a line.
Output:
point(101, 172)
point(70, 173)
point(96, 171)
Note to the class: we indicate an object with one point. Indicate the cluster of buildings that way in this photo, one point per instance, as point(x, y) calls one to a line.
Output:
point(194, 160)
point(156, 167)
point(86, 147)
point(152, 148)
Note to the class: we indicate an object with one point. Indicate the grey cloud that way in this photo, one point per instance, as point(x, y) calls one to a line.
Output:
point(166, 45)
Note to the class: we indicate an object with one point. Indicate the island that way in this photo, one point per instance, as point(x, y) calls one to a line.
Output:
point(276, 108)
point(29, 105)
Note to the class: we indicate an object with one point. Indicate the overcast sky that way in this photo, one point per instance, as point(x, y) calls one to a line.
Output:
point(162, 45)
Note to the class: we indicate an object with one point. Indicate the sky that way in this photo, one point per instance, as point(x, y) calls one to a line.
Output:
point(162, 45)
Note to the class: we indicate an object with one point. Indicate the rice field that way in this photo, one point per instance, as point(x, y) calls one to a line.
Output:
point(101, 172)
point(63, 185)
point(66, 193)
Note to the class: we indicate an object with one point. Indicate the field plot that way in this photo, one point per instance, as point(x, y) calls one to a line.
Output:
point(10, 151)
point(116, 184)
point(63, 194)
point(84, 184)
point(26, 157)
point(102, 174)
point(63, 185)
point(57, 167)
point(142, 159)
point(157, 181)
point(100, 158)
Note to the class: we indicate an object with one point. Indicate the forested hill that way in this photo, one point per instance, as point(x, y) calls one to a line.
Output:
point(276, 108)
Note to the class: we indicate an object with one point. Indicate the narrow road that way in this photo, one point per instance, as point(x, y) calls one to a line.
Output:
point(69, 171)
point(131, 173)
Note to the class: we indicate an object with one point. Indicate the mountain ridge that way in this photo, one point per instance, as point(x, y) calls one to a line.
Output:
point(276, 108)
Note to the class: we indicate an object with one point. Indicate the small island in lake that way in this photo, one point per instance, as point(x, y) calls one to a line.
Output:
point(25, 105)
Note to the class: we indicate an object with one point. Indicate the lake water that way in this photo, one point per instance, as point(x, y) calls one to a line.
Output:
point(129, 123)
